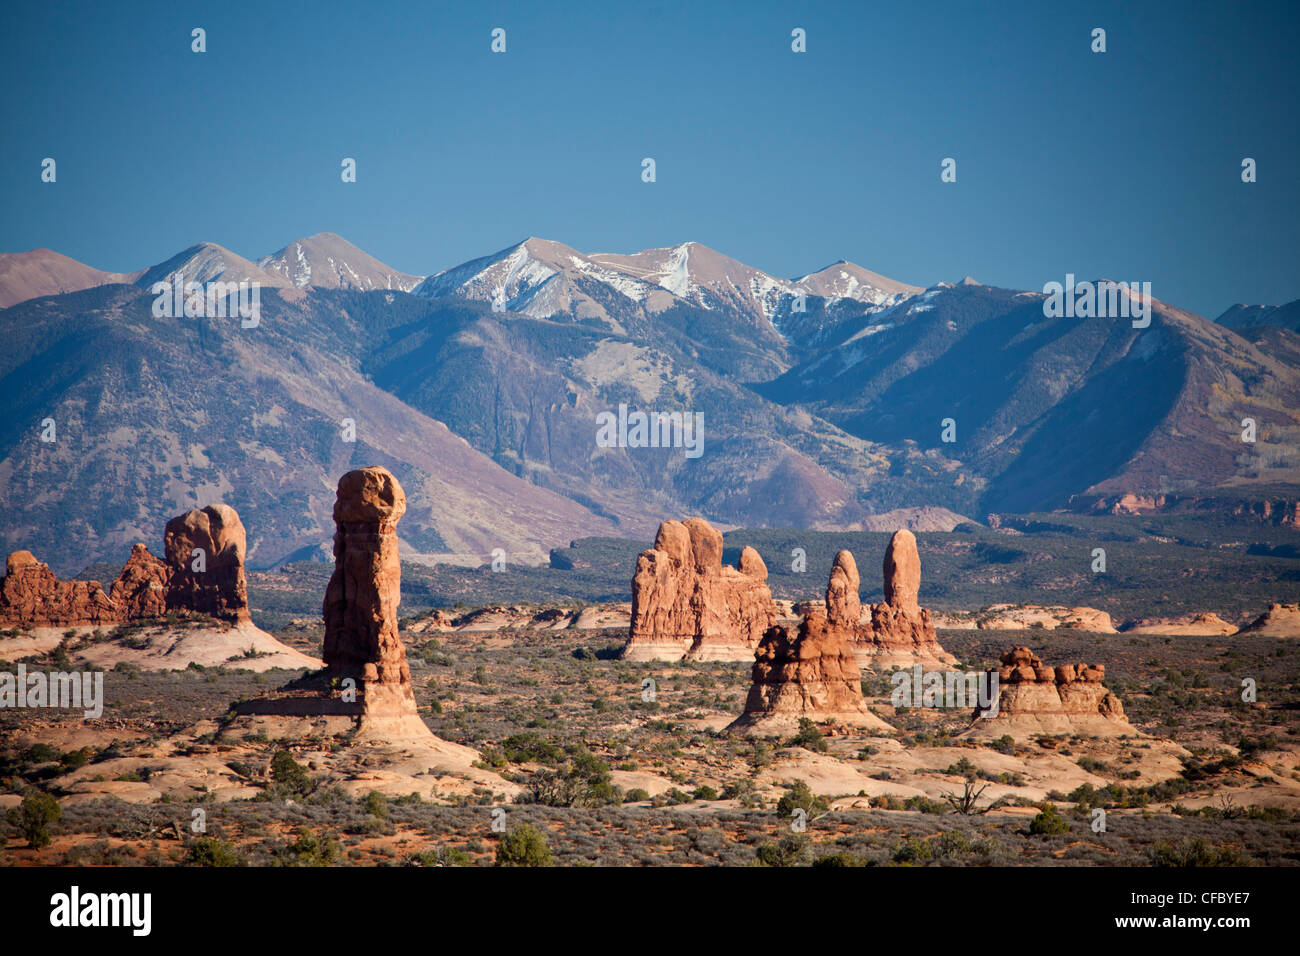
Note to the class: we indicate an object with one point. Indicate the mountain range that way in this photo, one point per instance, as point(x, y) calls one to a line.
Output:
point(825, 399)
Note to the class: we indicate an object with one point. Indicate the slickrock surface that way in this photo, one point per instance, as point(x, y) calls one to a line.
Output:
point(1035, 698)
point(805, 672)
point(1280, 620)
point(220, 588)
point(1189, 625)
point(686, 604)
point(1022, 617)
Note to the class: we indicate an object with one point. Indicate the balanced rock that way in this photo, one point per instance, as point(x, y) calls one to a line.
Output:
point(32, 596)
point(1035, 698)
point(808, 672)
point(360, 608)
point(686, 604)
point(204, 551)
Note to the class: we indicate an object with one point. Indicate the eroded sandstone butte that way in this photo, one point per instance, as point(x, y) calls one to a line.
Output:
point(686, 604)
point(204, 551)
point(1035, 698)
point(31, 596)
point(809, 672)
point(203, 573)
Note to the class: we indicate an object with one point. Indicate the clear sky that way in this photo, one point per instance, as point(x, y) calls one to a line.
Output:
point(1125, 164)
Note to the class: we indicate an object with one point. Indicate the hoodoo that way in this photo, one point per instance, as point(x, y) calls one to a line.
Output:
point(805, 672)
point(901, 633)
point(360, 608)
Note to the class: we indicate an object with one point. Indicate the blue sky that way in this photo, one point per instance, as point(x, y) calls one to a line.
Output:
point(1124, 164)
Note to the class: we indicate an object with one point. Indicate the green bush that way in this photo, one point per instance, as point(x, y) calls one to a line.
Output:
point(289, 775)
point(523, 846)
point(1197, 851)
point(799, 796)
point(34, 816)
point(809, 737)
point(209, 851)
point(376, 804)
point(1049, 822)
point(790, 850)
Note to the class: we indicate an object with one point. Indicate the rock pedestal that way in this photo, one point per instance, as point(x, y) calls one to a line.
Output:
point(360, 608)
point(900, 633)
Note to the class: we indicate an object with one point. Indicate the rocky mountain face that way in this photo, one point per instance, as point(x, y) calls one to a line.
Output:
point(1045, 409)
point(508, 390)
point(1241, 317)
point(27, 275)
point(328, 261)
point(151, 416)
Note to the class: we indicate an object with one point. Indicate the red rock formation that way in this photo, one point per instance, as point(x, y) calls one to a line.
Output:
point(843, 604)
point(212, 582)
point(901, 633)
point(1034, 698)
point(31, 596)
point(361, 634)
point(140, 591)
point(686, 604)
point(805, 672)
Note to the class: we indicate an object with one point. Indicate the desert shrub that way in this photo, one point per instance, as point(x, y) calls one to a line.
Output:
point(531, 747)
point(913, 850)
point(523, 846)
point(1049, 822)
point(841, 859)
point(705, 792)
point(809, 737)
point(34, 816)
point(1197, 851)
point(376, 804)
point(799, 795)
point(290, 776)
point(924, 805)
point(312, 850)
point(790, 850)
point(209, 851)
